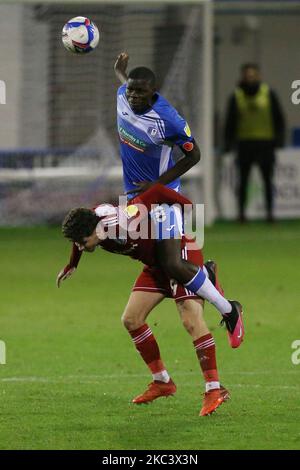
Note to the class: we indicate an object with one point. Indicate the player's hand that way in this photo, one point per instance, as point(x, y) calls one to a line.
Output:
point(121, 63)
point(141, 187)
point(64, 274)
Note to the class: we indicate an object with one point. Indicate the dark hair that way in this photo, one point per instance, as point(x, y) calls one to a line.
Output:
point(143, 73)
point(250, 65)
point(79, 223)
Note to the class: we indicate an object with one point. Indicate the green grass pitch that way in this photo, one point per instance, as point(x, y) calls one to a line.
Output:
point(72, 370)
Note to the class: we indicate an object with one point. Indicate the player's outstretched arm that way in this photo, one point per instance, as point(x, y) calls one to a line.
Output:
point(68, 270)
point(120, 67)
point(64, 274)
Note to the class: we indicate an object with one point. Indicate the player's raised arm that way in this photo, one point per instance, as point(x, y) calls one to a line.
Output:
point(120, 67)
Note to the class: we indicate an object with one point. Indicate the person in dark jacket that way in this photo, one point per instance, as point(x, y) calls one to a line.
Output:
point(255, 126)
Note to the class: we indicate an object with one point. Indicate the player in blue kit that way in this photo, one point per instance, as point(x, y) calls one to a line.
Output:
point(149, 127)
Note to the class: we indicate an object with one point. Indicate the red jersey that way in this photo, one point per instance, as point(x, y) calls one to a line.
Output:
point(113, 219)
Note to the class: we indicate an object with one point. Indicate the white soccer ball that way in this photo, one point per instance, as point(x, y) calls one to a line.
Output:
point(80, 35)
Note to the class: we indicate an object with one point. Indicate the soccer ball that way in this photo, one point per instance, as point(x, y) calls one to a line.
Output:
point(80, 35)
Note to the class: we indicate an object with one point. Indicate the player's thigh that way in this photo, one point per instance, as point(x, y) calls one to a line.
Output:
point(191, 314)
point(138, 307)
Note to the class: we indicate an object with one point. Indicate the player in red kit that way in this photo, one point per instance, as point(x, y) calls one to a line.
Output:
point(88, 229)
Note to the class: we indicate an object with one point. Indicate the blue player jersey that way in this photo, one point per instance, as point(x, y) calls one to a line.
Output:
point(146, 140)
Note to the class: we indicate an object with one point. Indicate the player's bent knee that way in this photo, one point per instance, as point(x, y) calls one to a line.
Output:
point(126, 321)
point(131, 322)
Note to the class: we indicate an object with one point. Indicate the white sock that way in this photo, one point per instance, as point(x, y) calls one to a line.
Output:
point(205, 271)
point(162, 376)
point(210, 293)
point(211, 386)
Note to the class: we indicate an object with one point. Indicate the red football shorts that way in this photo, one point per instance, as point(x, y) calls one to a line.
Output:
point(153, 279)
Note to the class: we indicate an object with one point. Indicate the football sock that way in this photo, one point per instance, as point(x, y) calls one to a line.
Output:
point(206, 352)
point(205, 271)
point(202, 286)
point(162, 376)
point(147, 346)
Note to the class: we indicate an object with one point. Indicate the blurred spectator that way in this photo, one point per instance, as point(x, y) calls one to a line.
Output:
point(255, 126)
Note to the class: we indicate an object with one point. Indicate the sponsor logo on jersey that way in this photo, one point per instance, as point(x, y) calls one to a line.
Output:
point(188, 146)
point(187, 130)
point(131, 140)
point(131, 211)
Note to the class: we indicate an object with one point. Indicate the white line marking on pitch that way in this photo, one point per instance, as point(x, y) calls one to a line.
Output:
point(99, 378)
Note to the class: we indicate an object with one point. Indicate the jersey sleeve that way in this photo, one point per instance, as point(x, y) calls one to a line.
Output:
point(177, 130)
point(121, 89)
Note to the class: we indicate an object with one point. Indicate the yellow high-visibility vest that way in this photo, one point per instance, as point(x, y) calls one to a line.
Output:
point(254, 114)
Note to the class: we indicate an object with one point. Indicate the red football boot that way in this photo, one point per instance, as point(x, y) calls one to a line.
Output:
point(213, 399)
point(156, 390)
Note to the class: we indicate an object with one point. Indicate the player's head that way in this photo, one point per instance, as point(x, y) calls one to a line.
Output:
point(140, 88)
point(79, 226)
point(250, 73)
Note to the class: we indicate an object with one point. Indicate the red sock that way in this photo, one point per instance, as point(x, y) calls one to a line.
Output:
point(206, 353)
point(148, 348)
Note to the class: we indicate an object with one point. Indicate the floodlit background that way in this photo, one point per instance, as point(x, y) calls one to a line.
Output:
point(58, 141)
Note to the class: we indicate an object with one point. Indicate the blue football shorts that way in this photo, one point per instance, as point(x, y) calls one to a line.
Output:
point(167, 222)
